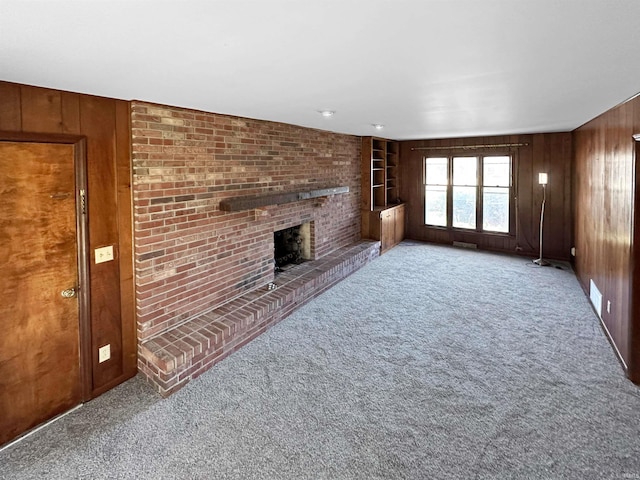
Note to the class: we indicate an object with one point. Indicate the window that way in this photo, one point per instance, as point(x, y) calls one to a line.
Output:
point(465, 187)
point(468, 191)
point(496, 182)
point(436, 191)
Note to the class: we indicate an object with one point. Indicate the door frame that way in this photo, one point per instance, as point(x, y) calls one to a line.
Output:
point(633, 366)
point(79, 144)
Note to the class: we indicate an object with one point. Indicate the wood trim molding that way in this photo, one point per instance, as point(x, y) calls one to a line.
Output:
point(633, 371)
point(41, 137)
point(473, 147)
point(84, 297)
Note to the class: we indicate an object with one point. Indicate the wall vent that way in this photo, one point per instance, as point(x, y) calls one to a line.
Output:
point(596, 297)
point(465, 245)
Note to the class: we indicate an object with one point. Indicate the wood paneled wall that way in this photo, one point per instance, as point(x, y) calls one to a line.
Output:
point(105, 123)
point(606, 209)
point(551, 153)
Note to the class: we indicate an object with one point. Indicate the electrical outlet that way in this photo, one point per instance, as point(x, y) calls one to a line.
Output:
point(104, 254)
point(104, 353)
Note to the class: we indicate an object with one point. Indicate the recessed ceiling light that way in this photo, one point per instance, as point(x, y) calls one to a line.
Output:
point(378, 126)
point(327, 113)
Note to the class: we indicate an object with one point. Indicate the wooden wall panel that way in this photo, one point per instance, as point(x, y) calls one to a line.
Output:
point(605, 208)
point(105, 124)
point(103, 221)
point(70, 107)
point(10, 115)
point(125, 247)
point(550, 153)
point(41, 110)
point(528, 217)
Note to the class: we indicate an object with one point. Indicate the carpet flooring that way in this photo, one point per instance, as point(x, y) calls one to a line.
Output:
point(431, 362)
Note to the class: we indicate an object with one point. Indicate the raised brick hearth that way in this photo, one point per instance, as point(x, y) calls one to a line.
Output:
point(180, 354)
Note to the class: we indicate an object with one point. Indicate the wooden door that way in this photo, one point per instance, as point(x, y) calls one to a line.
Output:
point(40, 363)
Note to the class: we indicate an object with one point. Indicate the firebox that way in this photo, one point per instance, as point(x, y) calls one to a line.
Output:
point(291, 246)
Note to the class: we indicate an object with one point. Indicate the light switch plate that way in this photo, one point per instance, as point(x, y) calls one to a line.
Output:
point(104, 254)
point(104, 353)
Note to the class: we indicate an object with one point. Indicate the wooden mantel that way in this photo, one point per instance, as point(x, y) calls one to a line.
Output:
point(237, 204)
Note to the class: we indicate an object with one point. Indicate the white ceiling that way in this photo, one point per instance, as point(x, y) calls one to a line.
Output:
point(424, 69)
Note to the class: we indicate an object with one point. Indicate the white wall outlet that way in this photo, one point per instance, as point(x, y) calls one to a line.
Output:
point(104, 254)
point(104, 353)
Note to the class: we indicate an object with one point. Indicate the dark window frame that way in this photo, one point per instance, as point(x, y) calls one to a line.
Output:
point(479, 192)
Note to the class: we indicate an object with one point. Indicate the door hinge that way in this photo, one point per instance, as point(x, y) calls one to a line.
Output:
point(83, 201)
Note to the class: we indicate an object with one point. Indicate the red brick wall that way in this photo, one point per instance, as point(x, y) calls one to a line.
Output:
point(190, 256)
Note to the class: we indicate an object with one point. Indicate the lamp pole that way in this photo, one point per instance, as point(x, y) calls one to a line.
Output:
point(542, 180)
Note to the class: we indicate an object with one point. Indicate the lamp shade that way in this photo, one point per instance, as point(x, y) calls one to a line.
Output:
point(542, 178)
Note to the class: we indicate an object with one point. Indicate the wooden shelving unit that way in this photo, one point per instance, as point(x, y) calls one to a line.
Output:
point(382, 210)
point(392, 163)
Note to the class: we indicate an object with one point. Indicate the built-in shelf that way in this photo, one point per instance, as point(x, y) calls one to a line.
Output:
point(382, 213)
point(237, 204)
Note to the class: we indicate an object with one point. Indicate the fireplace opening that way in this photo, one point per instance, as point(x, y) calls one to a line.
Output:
point(291, 246)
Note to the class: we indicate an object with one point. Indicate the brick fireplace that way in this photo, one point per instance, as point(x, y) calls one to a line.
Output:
point(191, 256)
point(292, 246)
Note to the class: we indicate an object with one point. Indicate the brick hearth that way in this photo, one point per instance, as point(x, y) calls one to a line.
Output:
point(180, 354)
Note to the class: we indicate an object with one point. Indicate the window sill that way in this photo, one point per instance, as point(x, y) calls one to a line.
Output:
point(468, 231)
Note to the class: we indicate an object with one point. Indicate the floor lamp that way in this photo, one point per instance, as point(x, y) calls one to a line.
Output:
point(542, 180)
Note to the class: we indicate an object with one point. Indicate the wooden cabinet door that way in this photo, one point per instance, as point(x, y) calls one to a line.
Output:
point(387, 234)
point(399, 224)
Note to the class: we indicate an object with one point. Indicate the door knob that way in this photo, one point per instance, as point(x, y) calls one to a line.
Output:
point(68, 293)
